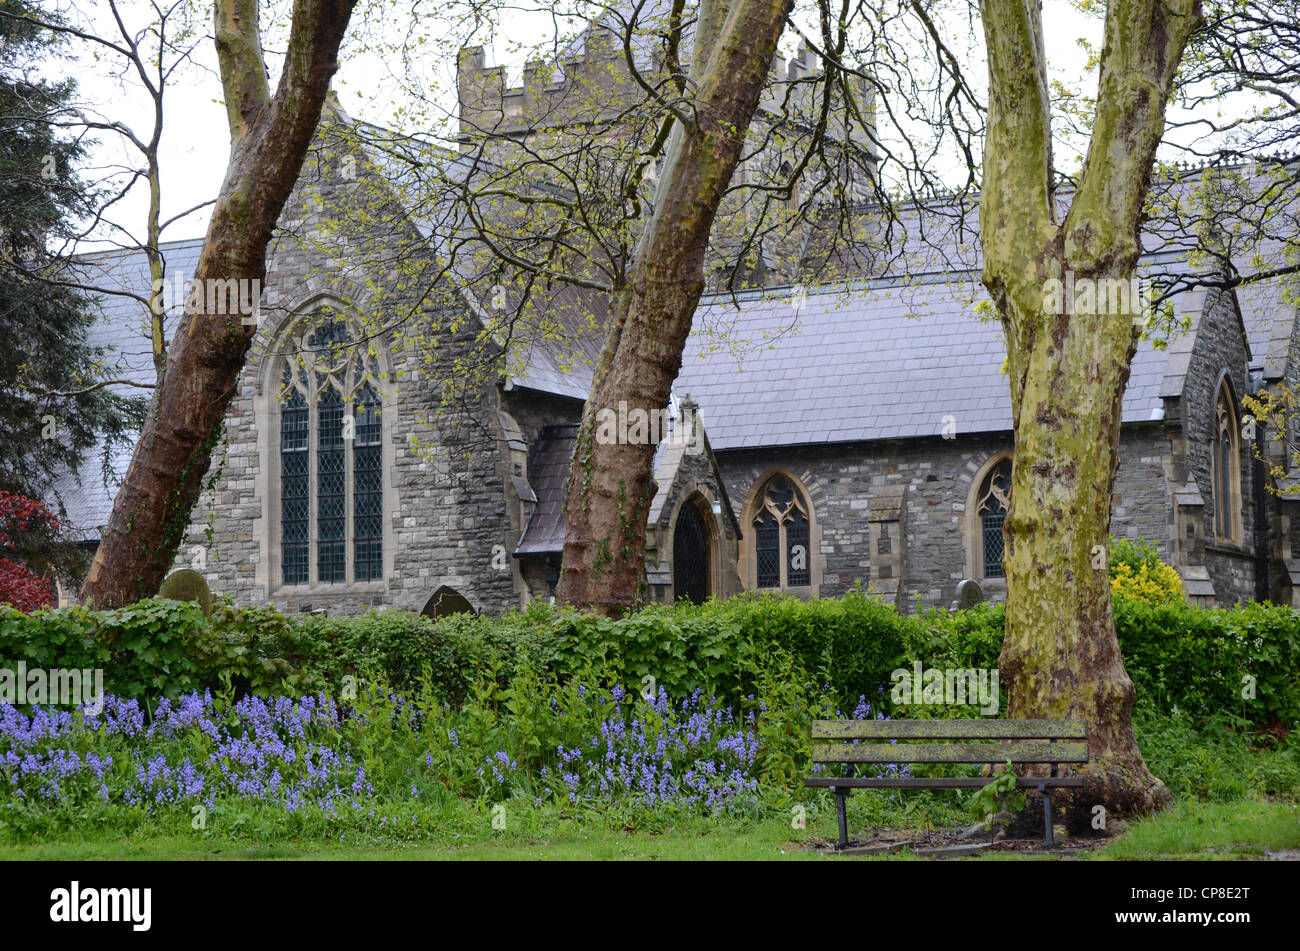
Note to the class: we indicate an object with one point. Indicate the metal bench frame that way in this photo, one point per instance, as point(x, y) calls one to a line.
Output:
point(841, 742)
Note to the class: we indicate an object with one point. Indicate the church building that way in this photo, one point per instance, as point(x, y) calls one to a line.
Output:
point(853, 435)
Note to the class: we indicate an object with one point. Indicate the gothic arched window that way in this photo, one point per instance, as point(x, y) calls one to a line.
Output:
point(331, 461)
point(991, 503)
point(780, 531)
point(1225, 467)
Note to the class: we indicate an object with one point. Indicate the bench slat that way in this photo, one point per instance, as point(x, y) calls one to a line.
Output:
point(933, 782)
point(949, 729)
point(950, 752)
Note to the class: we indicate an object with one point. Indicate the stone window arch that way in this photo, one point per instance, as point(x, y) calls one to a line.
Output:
point(1225, 465)
point(986, 511)
point(781, 537)
point(329, 455)
point(695, 550)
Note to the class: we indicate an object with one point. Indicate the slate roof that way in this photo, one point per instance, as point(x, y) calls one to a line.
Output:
point(548, 467)
point(942, 238)
point(882, 359)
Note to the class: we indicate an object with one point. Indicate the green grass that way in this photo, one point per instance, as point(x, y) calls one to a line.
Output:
point(1191, 829)
point(723, 843)
point(550, 838)
point(1215, 830)
point(461, 829)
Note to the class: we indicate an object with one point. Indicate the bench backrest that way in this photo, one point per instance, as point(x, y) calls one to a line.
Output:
point(846, 737)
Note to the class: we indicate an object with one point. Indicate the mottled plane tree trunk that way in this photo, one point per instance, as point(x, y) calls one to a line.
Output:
point(1068, 370)
point(269, 136)
point(610, 486)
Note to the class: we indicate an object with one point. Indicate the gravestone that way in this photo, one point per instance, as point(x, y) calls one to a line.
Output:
point(968, 595)
point(186, 584)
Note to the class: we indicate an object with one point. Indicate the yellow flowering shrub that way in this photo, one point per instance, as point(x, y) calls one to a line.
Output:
point(1138, 574)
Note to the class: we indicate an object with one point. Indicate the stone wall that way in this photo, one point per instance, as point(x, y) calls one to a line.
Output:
point(1284, 501)
point(841, 481)
point(928, 483)
point(445, 524)
point(1219, 349)
point(1141, 502)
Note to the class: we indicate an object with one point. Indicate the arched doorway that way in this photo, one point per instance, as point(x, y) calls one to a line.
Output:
point(691, 567)
point(446, 601)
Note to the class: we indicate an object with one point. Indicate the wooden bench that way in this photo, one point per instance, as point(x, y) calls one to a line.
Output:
point(840, 741)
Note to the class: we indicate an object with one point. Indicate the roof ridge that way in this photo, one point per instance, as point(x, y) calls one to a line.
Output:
point(106, 253)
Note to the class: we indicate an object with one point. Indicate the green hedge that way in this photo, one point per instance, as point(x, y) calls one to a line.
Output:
point(851, 643)
point(1178, 656)
point(1197, 660)
point(148, 648)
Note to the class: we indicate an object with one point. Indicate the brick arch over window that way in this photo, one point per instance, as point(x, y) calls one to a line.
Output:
point(782, 538)
point(1225, 463)
point(986, 509)
point(328, 455)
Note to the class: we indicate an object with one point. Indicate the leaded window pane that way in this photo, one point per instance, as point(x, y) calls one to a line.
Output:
point(295, 513)
point(991, 510)
point(797, 554)
point(767, 551)
point(1224, 465)
point(329, 343)
point(1216, 470)
point(994, 544)
point(367, 487)
point(780, 493)
point(331, 490)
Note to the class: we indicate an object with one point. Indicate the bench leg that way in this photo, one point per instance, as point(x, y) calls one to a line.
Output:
point(1047, 814)
point(840, 796)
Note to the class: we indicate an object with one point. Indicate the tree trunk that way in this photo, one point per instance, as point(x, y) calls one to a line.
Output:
point(1068, 369)
point(1060, 658)
point(610, 488)
point(269, 136)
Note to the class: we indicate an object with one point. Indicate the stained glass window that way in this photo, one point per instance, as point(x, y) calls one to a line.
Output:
point(782, 548)
point(295, 514)
point(1225, 467)
point(368, 489)
point(796, 548)
point(767, 551)
point(991, 510)
point(331, 490)
point(331, 462)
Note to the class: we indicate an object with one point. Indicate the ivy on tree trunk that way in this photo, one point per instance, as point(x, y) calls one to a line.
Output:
point(269, 136)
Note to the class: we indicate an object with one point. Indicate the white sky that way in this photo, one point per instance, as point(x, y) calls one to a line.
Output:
point(194, 145)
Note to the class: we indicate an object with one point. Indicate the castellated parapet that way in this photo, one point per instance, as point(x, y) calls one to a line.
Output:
point(595, 85)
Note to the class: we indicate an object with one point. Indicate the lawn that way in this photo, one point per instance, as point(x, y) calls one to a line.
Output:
point(1244, 829)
